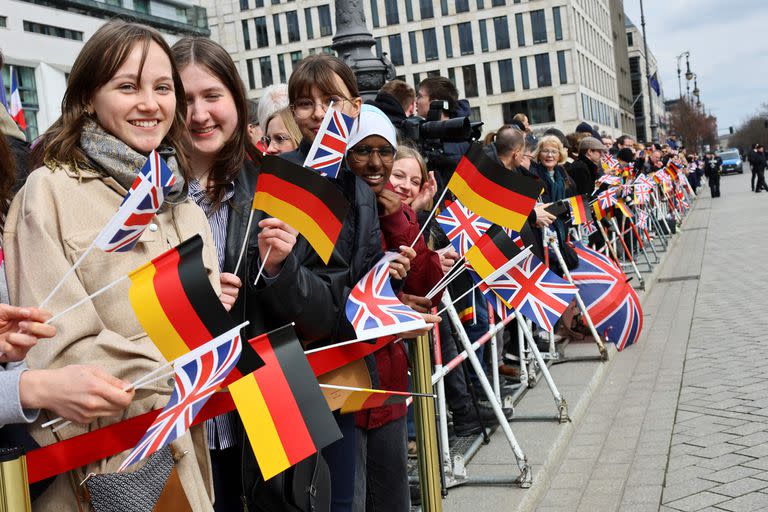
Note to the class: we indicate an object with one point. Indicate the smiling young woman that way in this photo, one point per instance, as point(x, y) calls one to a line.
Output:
point(124, 98)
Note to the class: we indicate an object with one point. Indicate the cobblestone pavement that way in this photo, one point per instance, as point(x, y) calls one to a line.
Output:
point(681, 422)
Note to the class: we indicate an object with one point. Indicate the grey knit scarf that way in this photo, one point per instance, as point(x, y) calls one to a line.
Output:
point(116, 159)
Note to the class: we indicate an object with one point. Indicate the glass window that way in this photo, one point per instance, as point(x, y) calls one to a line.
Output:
point(375, 13)
point(295, 58)
point(259, 3)
point(265, 66)
point(275, 2)
point(243, 5)
point(390, 7)
point(488, 78)
point(141, 6)
point(408, 10)
point(452, 75)
point(414, 48)
point(444, 7)
point(506, 75)
point(246, 35)
point(417, 80)
point(281, 67)
point(585, 106)
point(483, 35)
point(465, 39)
point(262, 36)
point(474, 114)
point(324, 13)
point(558, 23)
point(434, 73)
point(448, 41)
point(3, 21)
point(520, 29)
point(276, 25)
point(378, 47)
point(292, 20)
point(426, 9)
point(501, 3)
point(538, 110)
point(630, 39)
point(430, 44)
point(251, 76)
point(561, 67)
point(538, 26)
point(396, 50)
point(480, 4)
point(462, 5)
point(543, 72)
point(50, 30)
point(308, 23)
point(524, 73)
point(501, 32)
point(470, 81)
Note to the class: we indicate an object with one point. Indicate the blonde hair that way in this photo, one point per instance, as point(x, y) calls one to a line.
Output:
point(551, 140)
point(405, 151)
point(291, 127)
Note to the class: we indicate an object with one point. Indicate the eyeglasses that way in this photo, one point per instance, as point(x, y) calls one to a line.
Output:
point(279, 140)
point(362, 154)
point(302, 108)
point(549, 152)
point(526, 155)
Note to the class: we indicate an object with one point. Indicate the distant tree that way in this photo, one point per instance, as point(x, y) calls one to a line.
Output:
point(695, 128)
point(752, 131)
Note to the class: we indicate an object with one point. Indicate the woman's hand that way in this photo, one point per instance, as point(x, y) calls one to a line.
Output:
point(448, 258)
point(20, 328)
point(431, 320)
point(399, 267)
point(230, 287)
point(77, 392)
point(543, 218)
point(419, 304)
point(388, 200)
point(281, 238)
point(426, 194)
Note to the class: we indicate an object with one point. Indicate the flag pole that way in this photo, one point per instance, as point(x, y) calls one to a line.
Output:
point(68, 273)
point(264, 262)
point(401, 393)
point(245, 242)
point(431, 214)
point(86, 299)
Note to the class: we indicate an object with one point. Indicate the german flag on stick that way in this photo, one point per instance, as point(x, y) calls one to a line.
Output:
point(493, 252)
point(308, 202)
point(282, 408)
point(176, 305)
point(492, 191)
point(360, 399)
point(579, 213)
point(622, 206)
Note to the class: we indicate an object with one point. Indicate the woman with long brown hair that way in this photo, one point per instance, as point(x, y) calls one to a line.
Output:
point(124, 98)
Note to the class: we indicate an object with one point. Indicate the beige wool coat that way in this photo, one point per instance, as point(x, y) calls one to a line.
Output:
point(52, 220)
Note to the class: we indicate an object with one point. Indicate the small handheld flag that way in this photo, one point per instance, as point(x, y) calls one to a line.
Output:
point(579, 213)
point(494, 252)
point(16, 110)
point(309, 203)
point(462, 226)
point(361, 399)
point(622, 206)
point(330, 144)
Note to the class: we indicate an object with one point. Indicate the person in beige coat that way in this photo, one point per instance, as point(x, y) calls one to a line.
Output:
point(124, 98)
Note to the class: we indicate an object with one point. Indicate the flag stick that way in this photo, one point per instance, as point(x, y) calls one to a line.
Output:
point(86, 299)
point(431, 214)
point(342, 344)
point(264, 262)
point(69, 272)
point(447, 278)
point(350, 388)
point(245, 242)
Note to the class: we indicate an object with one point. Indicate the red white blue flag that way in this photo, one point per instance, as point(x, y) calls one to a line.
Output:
point(611, 302)
point(374, 310)
point(330, 143)
point(15, 108)
point(199, 374)
point(534, 291)
point(138, 208)
point(609, 179)
point(462, 226)
point(607, 199)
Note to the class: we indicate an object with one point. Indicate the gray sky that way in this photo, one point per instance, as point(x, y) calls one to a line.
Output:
point(728, 41)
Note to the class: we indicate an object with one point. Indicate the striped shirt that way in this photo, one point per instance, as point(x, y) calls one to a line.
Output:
point(221, 429)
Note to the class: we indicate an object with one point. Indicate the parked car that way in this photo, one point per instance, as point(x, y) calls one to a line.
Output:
point(731, 161)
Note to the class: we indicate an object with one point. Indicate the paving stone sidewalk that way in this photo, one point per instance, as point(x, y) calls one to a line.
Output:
point(681, 421)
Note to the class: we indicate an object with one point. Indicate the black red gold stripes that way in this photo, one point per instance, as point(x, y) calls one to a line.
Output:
point(492, 251)
point(492, 191)
point(579, 212)
point(282, 408)
point(302, 198)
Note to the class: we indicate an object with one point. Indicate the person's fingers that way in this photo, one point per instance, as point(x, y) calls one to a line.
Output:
point(407, 251)
point(431, 319)
point(38, 315)
point(228, 289)
point(21, 340)
point(37, 329)
point(277, 224)
point(277, 234)
point(230, 279)
point(14, 313)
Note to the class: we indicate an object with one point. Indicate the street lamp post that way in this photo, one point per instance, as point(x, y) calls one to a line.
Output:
point(654, 126)
point(688, 78)
point(352, 42)
point(679, 83)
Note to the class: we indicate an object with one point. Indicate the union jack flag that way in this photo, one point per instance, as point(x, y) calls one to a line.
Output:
point(330, 143)
point(462, 226)
point(644, 181)
point(138, 208)
point(609, 179)
point(609, 161)
point(642, 219)
point(501, 310)
point(611, 302)
point(589, 227)
point(534, 291)
point(373, 309)
point(199, 374)
point(642, 194)
point(607, 198)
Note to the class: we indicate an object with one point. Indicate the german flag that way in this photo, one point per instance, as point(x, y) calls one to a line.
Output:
point(579, 213)
point(308, 202)
point(622, 206)
point(599, 212)
point(492, 251)
point(360, 399)
point(493, 191)
point(174, 302)
point(282, 408)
